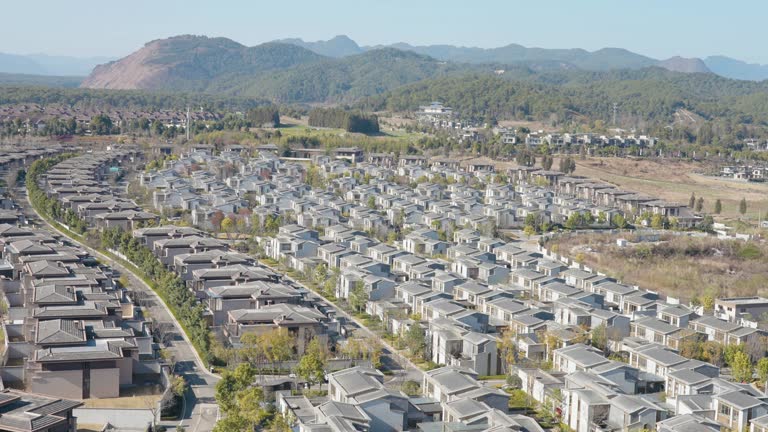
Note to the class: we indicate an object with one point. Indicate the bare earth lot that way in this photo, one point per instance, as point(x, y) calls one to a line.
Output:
point(674, 180)
point(678, 266)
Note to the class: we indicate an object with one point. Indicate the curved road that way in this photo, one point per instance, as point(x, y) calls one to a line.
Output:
point(200, 411)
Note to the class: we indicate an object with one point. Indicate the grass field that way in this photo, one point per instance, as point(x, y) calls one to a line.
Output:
point(674, 180)
point(123, 402)
point(290, 126)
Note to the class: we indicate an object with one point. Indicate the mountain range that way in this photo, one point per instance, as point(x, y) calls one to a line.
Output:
point(277, 71)
point(603, 59)
point(513, 54)
point(523, 84)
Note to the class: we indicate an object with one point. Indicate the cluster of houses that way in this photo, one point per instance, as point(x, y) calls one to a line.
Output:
point(240, 295)
point(359, 401)
point(467, 289)
point(440, 117)
point(536, 138)
point(34, 117)
point(244, 297)
point(756, 144)
point(745, 172)
point(200, 184)
point(464, 288)
point(71, 331)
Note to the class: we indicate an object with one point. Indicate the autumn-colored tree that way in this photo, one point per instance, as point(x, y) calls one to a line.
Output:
point(216, 219)
point(228, 226)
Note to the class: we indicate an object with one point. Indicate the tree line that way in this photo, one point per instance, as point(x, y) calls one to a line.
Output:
point(351, 121)
point(266, 115)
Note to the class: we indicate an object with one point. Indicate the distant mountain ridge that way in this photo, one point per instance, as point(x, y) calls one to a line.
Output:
point(537, 58)
point(604, 59)
point(736, 69)
point(685, 65)
point(41, 64)
point(600, 60)
point(338, 46)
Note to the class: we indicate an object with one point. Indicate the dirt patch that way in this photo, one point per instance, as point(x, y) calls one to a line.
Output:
point(675, 180)
point(678, 266)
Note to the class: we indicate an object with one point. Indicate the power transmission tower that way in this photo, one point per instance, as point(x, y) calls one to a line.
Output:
point(615, 107)
point(188, 124)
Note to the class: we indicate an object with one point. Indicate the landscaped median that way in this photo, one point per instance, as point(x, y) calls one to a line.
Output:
point(138, 259)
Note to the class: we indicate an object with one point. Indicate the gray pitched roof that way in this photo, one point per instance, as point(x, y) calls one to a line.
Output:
point(59, 332)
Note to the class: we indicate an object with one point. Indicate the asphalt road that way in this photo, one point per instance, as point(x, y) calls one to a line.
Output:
point(200, 409)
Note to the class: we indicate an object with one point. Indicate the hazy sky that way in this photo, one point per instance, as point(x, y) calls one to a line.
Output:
point(657, 28)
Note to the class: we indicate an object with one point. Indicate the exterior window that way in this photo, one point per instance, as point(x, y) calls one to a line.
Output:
point(725, 409)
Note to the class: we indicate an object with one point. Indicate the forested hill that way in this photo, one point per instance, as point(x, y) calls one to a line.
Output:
point(194, 63)
point(651, 95)
point(348, 79)
point(278, 71)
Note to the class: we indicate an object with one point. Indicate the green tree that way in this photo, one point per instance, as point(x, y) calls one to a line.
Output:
point(508, 347)
point(371, 202)
point(700, 204)
point(279, 423)
point(619, 221)
point(233, 422)
point(278, 345)
point(708, 302)
point(546, 162)
point(226, 389)
point(657, 221)
point(731, 352)
point(411, 388)
point(415, 340)
point(231, 383)
point(599, 337)
point(178, 385)
point(762, 370)
point(101, 124)
point(743, 206)
point(311, 367)
point(742, 367)
point(358, 296)
point(529, 230)
point(692, 200)
point(718, 206)
point(250, 405)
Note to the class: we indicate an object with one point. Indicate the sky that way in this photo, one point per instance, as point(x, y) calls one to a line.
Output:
point(656, 28)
